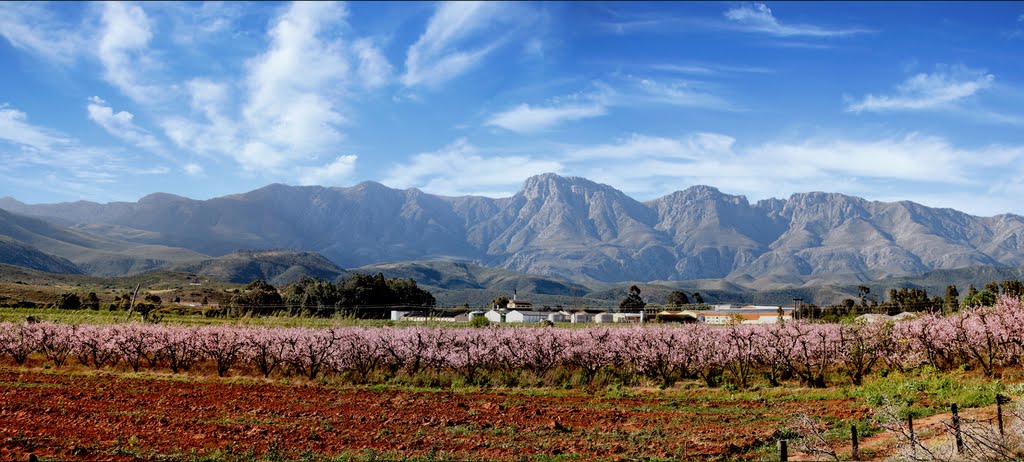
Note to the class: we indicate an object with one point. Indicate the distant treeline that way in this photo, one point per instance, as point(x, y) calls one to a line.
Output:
point(360, 295)
point(916, 300)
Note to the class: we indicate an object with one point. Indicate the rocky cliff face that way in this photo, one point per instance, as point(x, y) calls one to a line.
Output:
point(575, 228)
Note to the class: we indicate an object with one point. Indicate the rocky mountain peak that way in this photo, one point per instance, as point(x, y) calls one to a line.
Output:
point(570, 227)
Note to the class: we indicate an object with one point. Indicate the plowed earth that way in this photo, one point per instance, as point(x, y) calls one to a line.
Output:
point(116, 416)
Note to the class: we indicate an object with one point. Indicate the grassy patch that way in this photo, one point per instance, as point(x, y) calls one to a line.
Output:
point(928, 391)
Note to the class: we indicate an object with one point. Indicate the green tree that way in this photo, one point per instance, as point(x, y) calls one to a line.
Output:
point(697, 298)
point(257, 298)
point(862, 293)
point(982, 298)
point(951, 302)
point(678, 298)
point(1013, 288)
point(633, 300)
point(312, 297)
point(378, 293)
point(479, 321)
point(500, 301)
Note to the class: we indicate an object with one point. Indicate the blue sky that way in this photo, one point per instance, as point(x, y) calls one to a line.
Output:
point(888, 101)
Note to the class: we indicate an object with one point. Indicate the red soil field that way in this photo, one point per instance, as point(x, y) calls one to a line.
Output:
point(116, 416)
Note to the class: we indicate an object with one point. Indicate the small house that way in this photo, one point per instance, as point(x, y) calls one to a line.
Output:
point(604, 317)
point(627, 317)
point(526, 316)
point(495, 316)
point(519, 304)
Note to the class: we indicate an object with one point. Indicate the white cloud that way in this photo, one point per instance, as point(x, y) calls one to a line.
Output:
point(217, 133)
point(334, 173)
point(436, 57)
point(193, 169)
point(374, 69)
point(692, 147)
point(757, 17)
point(924, 166)
point(124, 50)
point(14, 128)
point(195, 23)
point(526, 119)
point(38, 149)
point(285, 118)
point(121, 125)
point(289, 107)
point(942, 88)
point(674, 93)
point(29, 26)
point(461, 169)
point(709, 69)
point(626, 91)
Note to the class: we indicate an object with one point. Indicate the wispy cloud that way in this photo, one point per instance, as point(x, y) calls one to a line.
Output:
point(373, 69)
point(683, 93)
point(288, 106)
point(334, 173)
point(458, 36)
point(692, 147)
point(462, 169)
point(193, 169)
point(24, 145)
point(284, 119)
point(526, 119)
point(1018, 31)
point(124, 51)
point(121, 125)
point(705, 69)
point(29, 26)
point(622, 91)
point(650, 166)
point(942, 88)
point(15, 128)
point(757, 17)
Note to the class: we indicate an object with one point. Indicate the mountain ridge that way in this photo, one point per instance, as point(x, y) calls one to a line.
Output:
point(574, 229)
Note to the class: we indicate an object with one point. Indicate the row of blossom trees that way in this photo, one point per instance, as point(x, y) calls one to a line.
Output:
point(813, 354)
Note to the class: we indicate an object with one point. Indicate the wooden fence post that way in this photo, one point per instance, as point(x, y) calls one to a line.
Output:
point(999, 413)
point(855, 449)
point(956, 430)
point(913, 439)
point(783, 453)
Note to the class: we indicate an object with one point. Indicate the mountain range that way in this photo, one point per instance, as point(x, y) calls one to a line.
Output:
point(562, 228)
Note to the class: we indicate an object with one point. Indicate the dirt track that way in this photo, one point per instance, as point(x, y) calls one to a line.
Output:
point(106, 416)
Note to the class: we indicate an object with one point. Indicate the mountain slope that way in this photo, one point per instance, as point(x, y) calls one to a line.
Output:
point(91, 254)
point(570, 228)
point(278, 267)
point(16, 253)
point(457, 275)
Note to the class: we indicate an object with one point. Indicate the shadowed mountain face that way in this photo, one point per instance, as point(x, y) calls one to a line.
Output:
point(29, 239)
point(16, 253)
point(571, 228)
